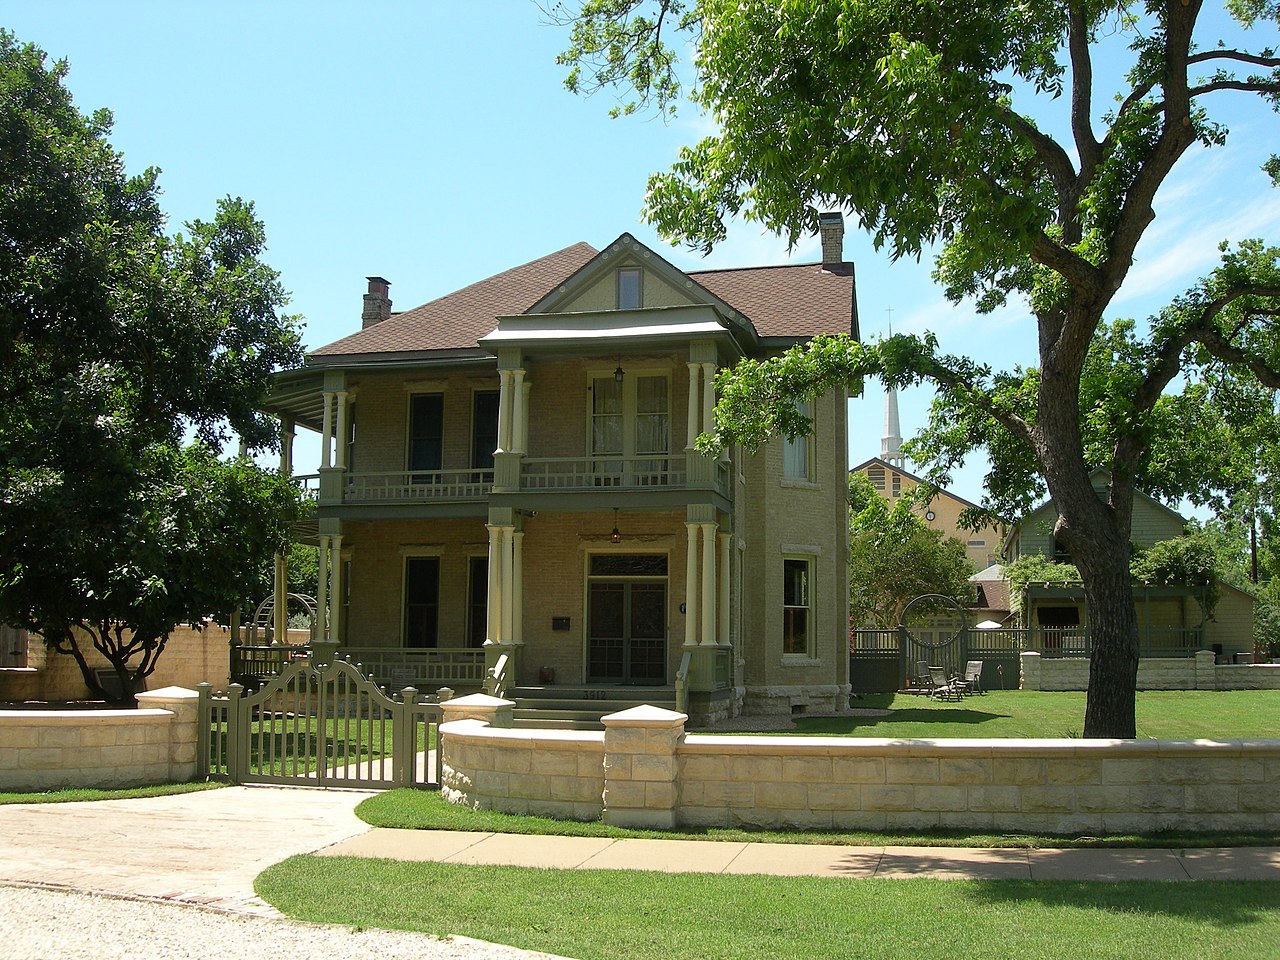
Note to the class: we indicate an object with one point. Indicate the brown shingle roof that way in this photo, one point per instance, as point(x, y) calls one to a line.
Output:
point(788, 301)
point(458, 320)
point(800, 300)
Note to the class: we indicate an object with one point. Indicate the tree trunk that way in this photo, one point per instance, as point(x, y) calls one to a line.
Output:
point(1113, 663)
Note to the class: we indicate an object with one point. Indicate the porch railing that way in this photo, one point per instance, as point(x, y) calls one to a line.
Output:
point(427, 669)
point(419, 485)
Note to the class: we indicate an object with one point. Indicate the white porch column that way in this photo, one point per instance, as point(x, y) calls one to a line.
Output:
point(693, 405)
point(519, 415)
point(505, 408)
point(326, 432)
point(508, 576)
point(517, 586)
point(708, 397)
point(340, 440)
point(493, 628)
point(286, 446)
point(723, 623)
point(522, 426)
point(336, 626)
point(691, 587)
point(322, 590)
point(280, 597)
point(708, 584)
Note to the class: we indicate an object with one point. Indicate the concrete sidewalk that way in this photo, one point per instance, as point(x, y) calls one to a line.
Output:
point(786, 859)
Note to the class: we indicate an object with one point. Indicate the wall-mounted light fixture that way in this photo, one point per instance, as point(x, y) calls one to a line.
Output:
point(616, 535)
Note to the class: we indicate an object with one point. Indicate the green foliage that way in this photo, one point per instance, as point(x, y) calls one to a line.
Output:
point(918, 120)
point(1188, 561)
point(117, 343)
point(1035, 568)
point(894, 558)
point(1266, 620)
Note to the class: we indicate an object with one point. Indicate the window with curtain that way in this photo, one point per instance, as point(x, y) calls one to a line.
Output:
point(797, 451)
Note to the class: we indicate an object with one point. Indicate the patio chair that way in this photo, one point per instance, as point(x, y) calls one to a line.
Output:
point(944, 687)
point(972, 679)
point(923, 681)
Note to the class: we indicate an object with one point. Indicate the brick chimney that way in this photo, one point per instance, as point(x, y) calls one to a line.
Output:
point(377, 305)
point(831, 229)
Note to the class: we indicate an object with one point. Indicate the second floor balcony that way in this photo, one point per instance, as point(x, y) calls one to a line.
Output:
point(542, 475)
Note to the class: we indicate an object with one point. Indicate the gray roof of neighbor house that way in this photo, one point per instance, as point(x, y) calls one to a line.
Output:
point(782, 302)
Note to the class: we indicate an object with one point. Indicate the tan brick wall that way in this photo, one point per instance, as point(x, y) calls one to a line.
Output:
point(1050, 786)
point(190, 656)
point(50, 750)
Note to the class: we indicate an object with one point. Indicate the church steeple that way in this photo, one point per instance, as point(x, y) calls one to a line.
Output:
point(891, 442)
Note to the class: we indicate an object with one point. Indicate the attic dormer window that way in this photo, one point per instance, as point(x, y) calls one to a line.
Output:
point(629, 288)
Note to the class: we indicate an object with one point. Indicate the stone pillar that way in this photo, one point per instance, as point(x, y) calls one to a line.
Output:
point(1029, 669)
point(517, 586)
point(326, 432)
point(723, 620)
point(479, 706)
point(184, 704)
point(640, 767)
point(336, 626)
point(693, 406)
point(1206, 674)
point(708, 604)
point(691, 622)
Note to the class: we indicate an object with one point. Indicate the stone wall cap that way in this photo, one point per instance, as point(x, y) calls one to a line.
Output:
point(169, 693)
point(477, 700)
point(645, 716)
point(82, 717)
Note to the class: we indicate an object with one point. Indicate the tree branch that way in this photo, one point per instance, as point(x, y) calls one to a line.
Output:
point(1236, 55)
point(1087, 145)
point(1247, 86)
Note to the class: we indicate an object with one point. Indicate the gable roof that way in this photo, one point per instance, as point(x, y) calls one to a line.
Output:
point(458, 320)
point(787, 302)
point(911, 476)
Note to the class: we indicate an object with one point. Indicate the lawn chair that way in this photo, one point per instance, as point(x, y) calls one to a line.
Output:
point(923, 681)
point(944, 687)
point(972, 679)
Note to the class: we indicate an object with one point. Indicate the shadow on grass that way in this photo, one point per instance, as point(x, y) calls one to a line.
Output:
point(941, 715)
point(1219, 903)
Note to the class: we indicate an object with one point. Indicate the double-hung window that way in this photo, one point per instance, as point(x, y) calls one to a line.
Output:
point(426, 437)
point(630, 429)
point(797, 451)
point(797, 606)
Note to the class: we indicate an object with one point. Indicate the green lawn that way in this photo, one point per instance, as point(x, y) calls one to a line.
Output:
point(1162, 714)
point(426, 810)
point(79, 794)
point(599, 915)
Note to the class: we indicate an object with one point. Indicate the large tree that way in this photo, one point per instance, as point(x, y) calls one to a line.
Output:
point(979, 128)
point(894, 558)
point(128, 357)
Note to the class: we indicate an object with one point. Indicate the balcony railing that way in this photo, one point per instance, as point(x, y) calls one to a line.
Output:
point(583, 473)
point(411, 485)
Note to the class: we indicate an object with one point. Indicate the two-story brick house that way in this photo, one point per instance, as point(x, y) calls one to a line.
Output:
point(510, 470)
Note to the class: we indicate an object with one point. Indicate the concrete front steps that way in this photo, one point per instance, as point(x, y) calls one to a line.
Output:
point(581, 707)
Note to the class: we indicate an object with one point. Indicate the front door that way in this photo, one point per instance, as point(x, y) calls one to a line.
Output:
point(627, 642)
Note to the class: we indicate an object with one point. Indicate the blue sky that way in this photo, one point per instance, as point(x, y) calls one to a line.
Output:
point(433, 144)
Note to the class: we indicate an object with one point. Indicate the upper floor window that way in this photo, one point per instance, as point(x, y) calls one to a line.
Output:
point(484, 428)
point(797, 454)
point(426, 432)
point(629, 288)
point(631, 420)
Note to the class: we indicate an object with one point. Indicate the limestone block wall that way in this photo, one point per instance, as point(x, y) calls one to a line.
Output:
point(192, 655)
point(56, 749)
point(646, 771)
point(1181, 673)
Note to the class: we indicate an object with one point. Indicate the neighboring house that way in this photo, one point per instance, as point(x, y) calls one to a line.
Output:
point(1171, 619)
point(510, 469)
point(941, 512)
